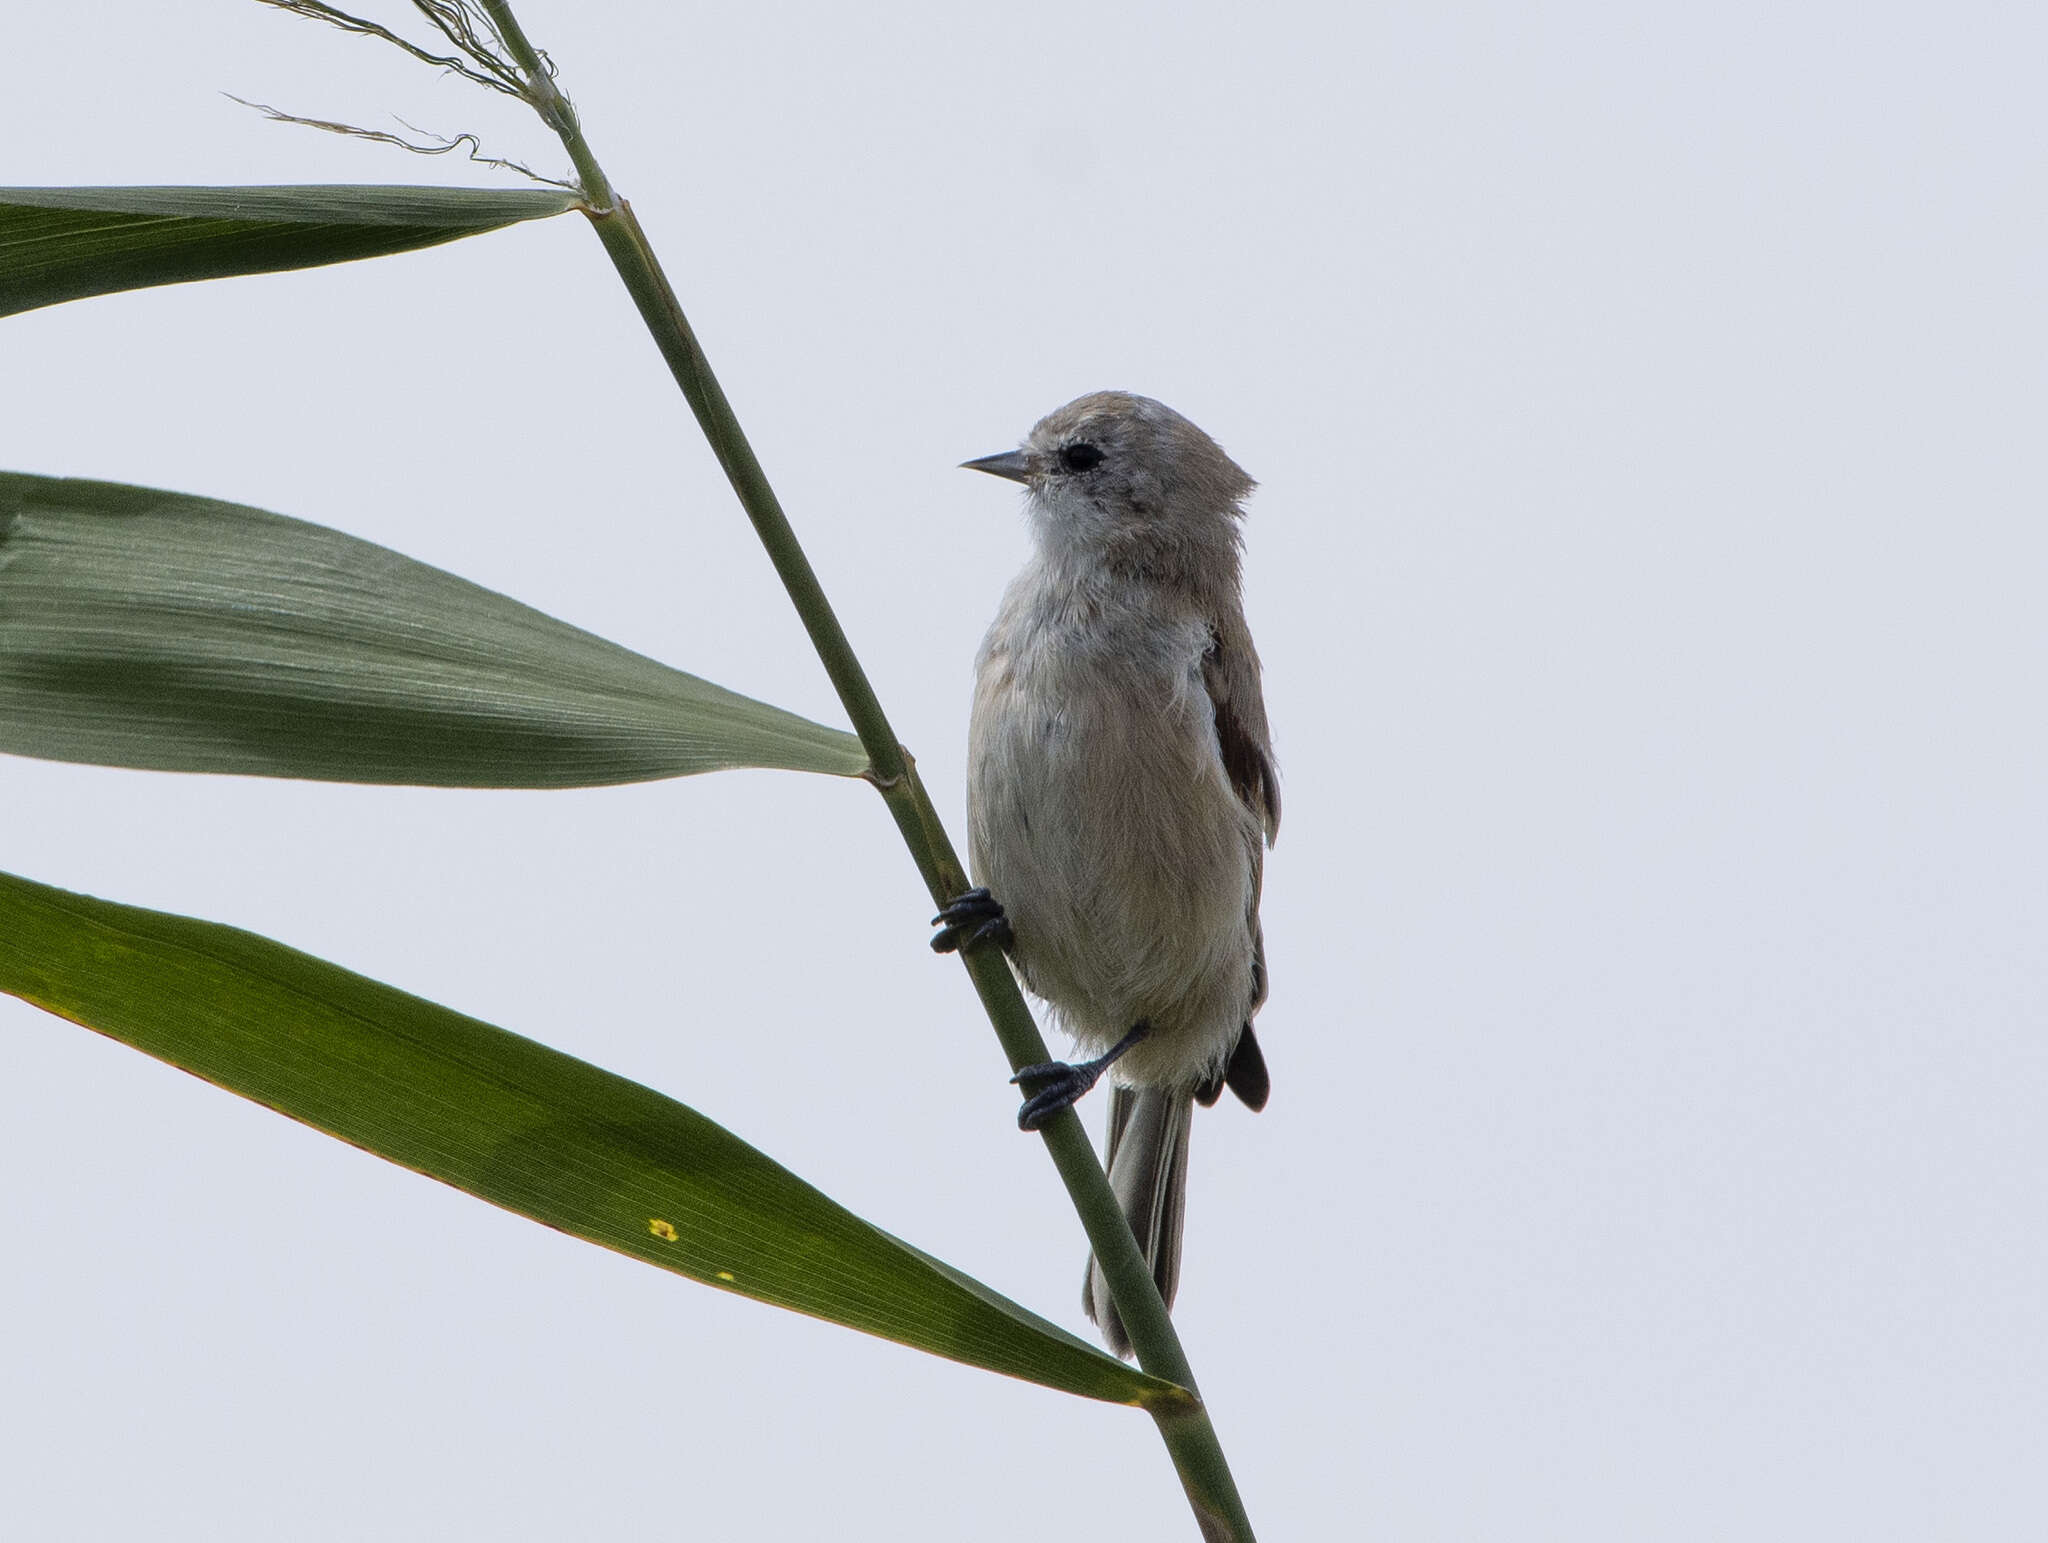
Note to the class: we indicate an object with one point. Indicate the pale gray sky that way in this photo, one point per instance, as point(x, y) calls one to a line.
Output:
point(1648, 565)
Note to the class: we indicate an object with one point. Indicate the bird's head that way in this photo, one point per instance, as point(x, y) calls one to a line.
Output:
point(1124, 481)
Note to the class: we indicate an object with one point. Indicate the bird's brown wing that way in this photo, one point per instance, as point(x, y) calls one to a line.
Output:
point(1230, 670)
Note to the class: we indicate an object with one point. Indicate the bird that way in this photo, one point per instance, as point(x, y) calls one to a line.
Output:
point(1122, 792)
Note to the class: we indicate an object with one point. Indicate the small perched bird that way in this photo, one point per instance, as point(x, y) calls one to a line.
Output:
point(1121, 793)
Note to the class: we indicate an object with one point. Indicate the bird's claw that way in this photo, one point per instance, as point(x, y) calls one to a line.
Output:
point(1064, 1085)
point(969, 921)
point(1066, 1082)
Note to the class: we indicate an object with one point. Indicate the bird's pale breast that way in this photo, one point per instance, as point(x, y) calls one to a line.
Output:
point(1101, 816)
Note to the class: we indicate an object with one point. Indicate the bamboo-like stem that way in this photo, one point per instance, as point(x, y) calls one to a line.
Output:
point(1189, 1436)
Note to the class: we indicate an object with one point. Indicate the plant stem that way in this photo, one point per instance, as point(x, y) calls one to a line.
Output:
point(1187, 1432)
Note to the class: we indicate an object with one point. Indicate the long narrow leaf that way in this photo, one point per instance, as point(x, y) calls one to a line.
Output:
point(151, 629)
point(61, 244)
point(515, 1123)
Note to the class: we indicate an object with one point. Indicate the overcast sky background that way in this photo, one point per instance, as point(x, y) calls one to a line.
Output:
point(1649, 567)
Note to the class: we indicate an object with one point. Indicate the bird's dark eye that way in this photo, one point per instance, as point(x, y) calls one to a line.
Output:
point(1079, 457)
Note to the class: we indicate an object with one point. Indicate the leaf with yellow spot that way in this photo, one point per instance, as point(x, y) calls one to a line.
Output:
point(515, 1123)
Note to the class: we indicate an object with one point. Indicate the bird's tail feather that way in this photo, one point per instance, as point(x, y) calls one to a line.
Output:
point(1148, 1170)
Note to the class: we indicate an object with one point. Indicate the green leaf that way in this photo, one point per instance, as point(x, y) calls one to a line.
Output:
point(515, 1123)
point(60, 244)
point(151, 629)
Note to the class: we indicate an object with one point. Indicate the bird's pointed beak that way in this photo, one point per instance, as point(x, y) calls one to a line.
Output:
point(1011, 464)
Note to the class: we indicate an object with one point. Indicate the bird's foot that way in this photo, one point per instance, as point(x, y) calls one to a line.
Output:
point(1064, 1083)
point(969, 921)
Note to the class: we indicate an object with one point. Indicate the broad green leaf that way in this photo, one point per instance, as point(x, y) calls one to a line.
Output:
point(152, 629)
point(61, 244)
point(515, 1123)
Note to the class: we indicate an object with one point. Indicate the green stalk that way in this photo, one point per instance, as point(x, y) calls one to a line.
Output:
point(1190, 1438)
